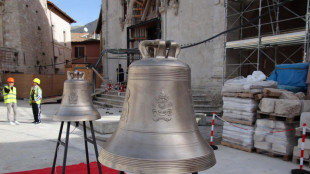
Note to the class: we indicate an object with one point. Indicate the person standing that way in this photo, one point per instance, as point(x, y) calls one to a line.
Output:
point(35, 100)
point(9, 96)
point(120, 74)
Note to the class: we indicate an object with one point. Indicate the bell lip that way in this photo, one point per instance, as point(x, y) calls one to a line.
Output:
point(156, 163)
point(76, 118)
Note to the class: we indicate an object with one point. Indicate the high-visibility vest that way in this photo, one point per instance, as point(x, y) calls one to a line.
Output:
point(11, 96)
point(35, 95)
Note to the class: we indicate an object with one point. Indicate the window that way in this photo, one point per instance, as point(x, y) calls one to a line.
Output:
point(65, 38)
point(79, 51)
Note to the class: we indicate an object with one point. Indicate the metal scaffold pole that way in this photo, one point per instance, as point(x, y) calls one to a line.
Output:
point(225, 40)
point(259, 35)
point(306, 44)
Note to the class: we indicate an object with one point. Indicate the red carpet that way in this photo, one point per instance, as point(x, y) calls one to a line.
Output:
point(73, 169)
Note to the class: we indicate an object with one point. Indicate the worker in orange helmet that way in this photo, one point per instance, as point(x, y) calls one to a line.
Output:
point(9, 96)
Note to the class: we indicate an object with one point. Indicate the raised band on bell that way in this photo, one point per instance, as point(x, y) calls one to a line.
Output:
point(157, 132)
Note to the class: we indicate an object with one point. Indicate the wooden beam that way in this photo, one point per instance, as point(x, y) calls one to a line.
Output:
point(144, 2)
point(146, 9)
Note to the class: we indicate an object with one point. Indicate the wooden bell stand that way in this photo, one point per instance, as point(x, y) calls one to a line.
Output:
point(65, 144)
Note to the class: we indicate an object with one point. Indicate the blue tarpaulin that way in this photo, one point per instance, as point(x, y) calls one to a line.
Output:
point(291, 75)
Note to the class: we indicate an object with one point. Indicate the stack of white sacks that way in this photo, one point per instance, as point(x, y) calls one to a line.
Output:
point(273, 136)
point(243, 109)
point(241, 135)
point(239, 108)
point(252, 84)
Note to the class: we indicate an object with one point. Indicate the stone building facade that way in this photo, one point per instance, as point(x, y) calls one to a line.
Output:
point(124, 23)
point(34, 37)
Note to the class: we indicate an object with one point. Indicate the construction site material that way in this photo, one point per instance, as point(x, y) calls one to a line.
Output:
point(247, 149)
point(288, 95)
point(294, 75)
point(285, 157)
point(306, 145)
point(287, 107)
point(239, 94)
point(267, 105)
point(304, 118)
point(296, 152)
point(301, 95)
point(237, 104)
point(305, 106)
point(241, 135)
point(242, 86)
point(272, 92)
point(277, 137)
point(296, 160)
point(239, 110)
point(273, 116)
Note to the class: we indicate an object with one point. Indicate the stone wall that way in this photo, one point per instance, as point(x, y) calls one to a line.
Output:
point(26, 27)
point(185, 22)
point(194, 22)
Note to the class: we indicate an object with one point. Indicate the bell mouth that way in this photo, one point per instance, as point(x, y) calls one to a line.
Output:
point(142, 152)
point(76, 118)
point(138, 166)
point(66, 113)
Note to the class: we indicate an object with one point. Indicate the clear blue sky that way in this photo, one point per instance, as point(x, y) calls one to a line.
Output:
point(82, 11)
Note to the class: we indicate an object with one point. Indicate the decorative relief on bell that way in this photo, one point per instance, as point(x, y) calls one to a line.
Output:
point(125, 109)
point(73, 97)
point(162, 107)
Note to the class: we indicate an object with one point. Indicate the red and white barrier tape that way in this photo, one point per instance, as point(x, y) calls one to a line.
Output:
point(230, 123)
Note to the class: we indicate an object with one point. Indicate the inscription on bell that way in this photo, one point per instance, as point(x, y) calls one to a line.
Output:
point(162, 107)
point(73, 97)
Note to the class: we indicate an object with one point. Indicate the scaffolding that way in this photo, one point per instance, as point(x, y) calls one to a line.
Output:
point(270, 32)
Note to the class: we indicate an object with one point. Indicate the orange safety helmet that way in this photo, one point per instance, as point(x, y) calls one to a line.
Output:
point(11, 80)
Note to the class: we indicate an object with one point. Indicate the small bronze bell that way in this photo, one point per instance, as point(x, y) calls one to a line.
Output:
point(157, 132)
point(76, 104)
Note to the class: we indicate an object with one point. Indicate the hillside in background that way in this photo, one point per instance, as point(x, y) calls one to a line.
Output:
point(91, 27)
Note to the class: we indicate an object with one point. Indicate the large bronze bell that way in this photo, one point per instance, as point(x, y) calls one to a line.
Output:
point(76, 104)
point(157, 132)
